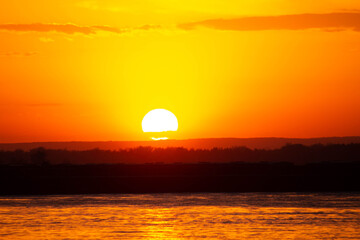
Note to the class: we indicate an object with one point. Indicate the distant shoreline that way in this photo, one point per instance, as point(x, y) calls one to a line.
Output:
point(205, 143)
point(292, 153)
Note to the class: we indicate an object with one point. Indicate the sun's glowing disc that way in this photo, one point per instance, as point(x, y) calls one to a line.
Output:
point(159, 120)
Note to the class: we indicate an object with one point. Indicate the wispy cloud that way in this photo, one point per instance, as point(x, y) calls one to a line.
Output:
point(32, 104)
point(329, 21)
point(18, 54)
point(43, 105)
point(101, 5)
point(71, 28)
point(43, 27)
point(46, 39)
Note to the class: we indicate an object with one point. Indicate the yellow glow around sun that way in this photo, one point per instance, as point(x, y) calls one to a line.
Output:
point(158, 121)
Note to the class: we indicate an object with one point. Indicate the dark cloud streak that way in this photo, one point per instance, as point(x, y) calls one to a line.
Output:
point(41, 27)
point(328, 22)
point(338, 21)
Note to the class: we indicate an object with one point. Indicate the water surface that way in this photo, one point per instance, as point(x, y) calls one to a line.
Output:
point(182, 216)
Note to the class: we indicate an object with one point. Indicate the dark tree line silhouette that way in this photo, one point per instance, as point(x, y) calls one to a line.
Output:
point(292, 153)
point(150, 170)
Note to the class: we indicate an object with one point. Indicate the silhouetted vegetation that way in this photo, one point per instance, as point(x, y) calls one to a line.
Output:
point(146, 169)
point(293, 153)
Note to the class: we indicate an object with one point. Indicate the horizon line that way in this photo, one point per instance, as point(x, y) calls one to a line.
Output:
point(172, 139)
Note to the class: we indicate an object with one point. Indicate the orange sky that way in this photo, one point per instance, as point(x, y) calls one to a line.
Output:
point(90, 70)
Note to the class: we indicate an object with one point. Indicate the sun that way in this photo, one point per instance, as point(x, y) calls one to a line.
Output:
point(158, 122)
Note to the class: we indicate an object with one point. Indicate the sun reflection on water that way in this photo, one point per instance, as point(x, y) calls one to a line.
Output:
point(159, 138)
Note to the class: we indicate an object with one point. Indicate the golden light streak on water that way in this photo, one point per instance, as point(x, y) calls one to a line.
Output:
point(182, 216)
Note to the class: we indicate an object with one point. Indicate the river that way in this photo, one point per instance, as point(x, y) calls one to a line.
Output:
point(182, 216)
